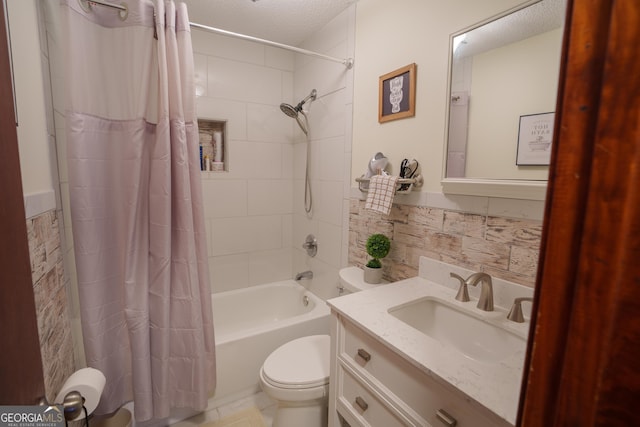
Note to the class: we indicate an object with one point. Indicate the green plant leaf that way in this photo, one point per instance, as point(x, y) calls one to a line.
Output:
point(378, 246)
point(374, 263)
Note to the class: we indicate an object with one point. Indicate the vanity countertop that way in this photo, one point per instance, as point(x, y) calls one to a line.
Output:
point(494, 385)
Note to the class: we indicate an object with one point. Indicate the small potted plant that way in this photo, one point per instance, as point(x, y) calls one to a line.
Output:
point(378, 246)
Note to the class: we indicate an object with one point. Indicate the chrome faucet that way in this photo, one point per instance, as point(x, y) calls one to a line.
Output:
point(486, 293)
point(305, 275)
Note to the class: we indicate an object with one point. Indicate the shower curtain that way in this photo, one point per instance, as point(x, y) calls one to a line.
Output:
point(136, 205)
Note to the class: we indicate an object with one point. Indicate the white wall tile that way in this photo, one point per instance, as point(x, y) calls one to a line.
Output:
point(279, 58)
point(270, 266)
point(267, 123)
point(331, 237)
point(233, 112)
point(328, 201)
point(230, 236)
point(299, 159)
point(327, 116)
point(239, 235)
point(255, 160)
point(287, 161)
point(287, 89)
point(287, 231)
point(229, 272)
point(227, 47)
point(200, 74)
point(266, 232)
point(269, 197)
point(243, 82)
point(329, 158)
point(223, 199)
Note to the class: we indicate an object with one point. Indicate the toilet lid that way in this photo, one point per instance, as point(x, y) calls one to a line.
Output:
point(301, 362)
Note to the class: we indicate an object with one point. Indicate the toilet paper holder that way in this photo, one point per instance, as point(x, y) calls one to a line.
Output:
point(80, 392)
point(72, 404)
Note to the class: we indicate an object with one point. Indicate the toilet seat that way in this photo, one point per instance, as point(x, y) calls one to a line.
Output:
point(299, 364)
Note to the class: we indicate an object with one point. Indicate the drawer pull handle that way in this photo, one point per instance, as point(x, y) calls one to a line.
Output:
point(446, 418)
point(364, 354)
point(362, 404)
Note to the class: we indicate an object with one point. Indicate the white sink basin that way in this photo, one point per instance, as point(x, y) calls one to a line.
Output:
point(453, 327)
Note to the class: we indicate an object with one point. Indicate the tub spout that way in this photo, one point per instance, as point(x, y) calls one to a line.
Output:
point(305, 275)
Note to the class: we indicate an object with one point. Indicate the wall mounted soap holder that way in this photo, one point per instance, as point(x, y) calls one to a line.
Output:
point(404, 185)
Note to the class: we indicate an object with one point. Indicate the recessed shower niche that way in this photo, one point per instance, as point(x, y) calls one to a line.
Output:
point(213, 148)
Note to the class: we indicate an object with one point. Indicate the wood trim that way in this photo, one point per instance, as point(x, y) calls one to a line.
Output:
point(20, 361)
point(582, 366)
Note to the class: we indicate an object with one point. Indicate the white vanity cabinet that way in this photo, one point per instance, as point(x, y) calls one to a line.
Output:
point(371, 385)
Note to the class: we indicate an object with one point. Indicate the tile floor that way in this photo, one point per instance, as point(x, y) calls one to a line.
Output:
point(260, 400)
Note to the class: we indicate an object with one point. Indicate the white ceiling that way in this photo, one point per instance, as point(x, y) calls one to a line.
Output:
point(536, 19)
point(283, 21)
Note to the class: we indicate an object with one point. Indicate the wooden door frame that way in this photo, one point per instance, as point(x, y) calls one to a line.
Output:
point(20, 361)
point(584, 349)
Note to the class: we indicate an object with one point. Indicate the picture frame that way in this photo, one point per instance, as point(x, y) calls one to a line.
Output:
point(535, 135)
point(397, 94)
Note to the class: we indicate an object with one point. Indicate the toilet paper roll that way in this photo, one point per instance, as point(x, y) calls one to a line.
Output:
point(89, 382)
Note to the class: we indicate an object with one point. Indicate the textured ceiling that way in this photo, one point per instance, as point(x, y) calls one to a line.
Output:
point(536, 19)
point(283, 21)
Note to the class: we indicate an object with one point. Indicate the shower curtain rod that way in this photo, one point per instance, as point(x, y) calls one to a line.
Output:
point(346, 62)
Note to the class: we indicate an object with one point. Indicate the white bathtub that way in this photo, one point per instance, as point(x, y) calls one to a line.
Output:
point(249, 324)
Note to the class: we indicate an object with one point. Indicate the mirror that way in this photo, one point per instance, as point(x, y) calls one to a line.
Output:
point(503, 85)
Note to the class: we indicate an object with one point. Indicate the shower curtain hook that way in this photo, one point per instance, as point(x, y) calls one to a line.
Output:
point(123, 8)
point(124, 14)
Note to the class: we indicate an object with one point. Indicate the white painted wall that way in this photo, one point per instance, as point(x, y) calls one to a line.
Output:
point(390, 35)
point(33, 137)
point(507, 83)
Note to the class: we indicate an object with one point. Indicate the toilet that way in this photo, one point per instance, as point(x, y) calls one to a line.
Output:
point(296, 374)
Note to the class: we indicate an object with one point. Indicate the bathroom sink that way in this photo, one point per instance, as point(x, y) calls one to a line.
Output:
point(472, 336)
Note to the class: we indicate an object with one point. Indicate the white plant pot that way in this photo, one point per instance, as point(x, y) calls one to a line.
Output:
point(372, 275)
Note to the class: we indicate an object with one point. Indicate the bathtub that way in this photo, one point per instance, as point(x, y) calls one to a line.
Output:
point(249, 324)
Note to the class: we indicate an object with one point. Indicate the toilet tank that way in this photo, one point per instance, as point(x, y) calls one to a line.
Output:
point(352, 280)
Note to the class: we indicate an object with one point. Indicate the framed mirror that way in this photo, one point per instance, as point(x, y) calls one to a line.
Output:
point(503, 79)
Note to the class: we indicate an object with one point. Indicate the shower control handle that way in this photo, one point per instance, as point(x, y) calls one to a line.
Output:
point(311, 245)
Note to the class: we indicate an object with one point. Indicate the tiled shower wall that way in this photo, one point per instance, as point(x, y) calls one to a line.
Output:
point(504, 247)
point(47, 271)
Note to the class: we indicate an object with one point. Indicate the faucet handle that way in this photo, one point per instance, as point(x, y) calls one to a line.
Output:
point(515, 314)
point(463, 293)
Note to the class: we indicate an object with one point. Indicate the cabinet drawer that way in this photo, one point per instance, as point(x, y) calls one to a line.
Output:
point(393, 375)
point(362, 407)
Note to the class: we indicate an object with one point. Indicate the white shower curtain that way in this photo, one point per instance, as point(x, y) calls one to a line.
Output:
point(136, 206)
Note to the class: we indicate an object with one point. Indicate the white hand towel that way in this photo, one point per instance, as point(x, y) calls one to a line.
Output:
point(382, 188)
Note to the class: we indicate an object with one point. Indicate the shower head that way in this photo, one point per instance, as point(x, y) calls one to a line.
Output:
point(292, 111)
point(289, 110)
